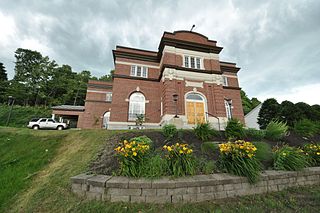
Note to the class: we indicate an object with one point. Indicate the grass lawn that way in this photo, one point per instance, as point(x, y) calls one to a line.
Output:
point(35, 180)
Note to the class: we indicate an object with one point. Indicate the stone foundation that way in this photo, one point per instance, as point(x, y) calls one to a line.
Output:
point(187, 189)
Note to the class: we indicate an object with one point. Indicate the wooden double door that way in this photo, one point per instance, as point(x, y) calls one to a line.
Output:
point(195, 112)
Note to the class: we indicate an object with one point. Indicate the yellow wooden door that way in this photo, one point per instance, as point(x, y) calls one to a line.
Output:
point(199, 111)
point(191, 113)
point(195, 112)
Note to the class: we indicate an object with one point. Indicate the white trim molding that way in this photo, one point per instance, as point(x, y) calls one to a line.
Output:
point(138, 64)
point(170, 73)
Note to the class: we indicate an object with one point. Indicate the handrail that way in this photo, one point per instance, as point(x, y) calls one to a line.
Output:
point(216, 118)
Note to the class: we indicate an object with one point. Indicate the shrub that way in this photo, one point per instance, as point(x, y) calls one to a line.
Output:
point(142, 139)
point(206, 166)
point(209, 147)
point(238, 158)
point(305, 128)
point(254, 134)
point(234, 129)
point(155, 166)
point(204, 131)
point(312, 151)
point(131, 156)
point(276, 130)
point(289, 158)
point(180, 159)
point(169, 131)
point(264, 153)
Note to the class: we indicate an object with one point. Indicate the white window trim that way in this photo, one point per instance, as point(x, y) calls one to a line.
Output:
point(228, 108)
point(107, 95)
point(130, 110)
point(136, 70)
point(195, 61)
point(225, 81)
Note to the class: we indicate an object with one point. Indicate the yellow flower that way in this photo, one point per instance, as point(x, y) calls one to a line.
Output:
point(165, 146)
point(318, 153)
point(169, 149)
point(181, 152)
point(133, 149)
point(134, 154)
point(184, 148)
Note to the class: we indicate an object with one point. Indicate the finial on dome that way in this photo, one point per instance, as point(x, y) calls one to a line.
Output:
point(193, 26)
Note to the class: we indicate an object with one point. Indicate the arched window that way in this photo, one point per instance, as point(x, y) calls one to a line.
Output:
point(137, 104)
point(194, 97)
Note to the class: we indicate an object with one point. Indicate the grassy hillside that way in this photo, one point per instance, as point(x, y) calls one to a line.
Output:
point(36, 180)
point(21, 115)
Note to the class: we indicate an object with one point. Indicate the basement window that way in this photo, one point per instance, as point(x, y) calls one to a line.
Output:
point(139, 71)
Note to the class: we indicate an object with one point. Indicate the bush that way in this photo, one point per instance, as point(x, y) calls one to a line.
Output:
point(204, 131)
point(132, 156)
point(238, 158)
point(276, 130)
point(205, 166)
point(305, 128)
point(21, 115)
point(254, 134)
point(209, 147)
point(234, 129)
point(180, 159)
point(312, 151)
point(264, 154)
point(142, 139)
point(169, 131)
point(289, 158)
point(154, 167)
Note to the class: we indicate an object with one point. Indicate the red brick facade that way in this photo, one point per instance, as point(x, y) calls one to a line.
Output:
point(169, 72)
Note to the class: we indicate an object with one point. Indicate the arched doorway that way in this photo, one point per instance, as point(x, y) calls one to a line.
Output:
point(195, 108)
point(106, 118)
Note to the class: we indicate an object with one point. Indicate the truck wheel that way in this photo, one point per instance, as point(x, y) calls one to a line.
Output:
point(60, 128)
point(35, 127)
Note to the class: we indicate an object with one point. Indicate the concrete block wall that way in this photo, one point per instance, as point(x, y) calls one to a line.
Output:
point(187, 189)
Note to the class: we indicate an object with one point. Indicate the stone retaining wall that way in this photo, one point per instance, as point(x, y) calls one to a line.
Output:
point(187, 189)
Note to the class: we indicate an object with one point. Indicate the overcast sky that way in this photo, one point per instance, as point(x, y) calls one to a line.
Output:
point(276, 43)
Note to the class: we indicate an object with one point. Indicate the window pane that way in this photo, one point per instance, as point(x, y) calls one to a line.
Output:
point(109, 96)
point(194, 96)
point(139, 71)
point(136, 105)
point(198, 63)
point(186, 61)
point(43, 120)
point(133, 70)
point(228, 109)
point(192, 62)
point(144, 72)
point(225, 81)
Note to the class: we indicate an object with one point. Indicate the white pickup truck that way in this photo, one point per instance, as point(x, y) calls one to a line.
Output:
point(46, 123)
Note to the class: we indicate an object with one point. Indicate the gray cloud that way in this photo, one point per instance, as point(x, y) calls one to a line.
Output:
point(276, 43)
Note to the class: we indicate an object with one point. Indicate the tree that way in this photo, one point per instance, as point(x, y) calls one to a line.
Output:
point(268, 112)
point(35, 71)
point(305, 110)
point(248, 104)
point(289, 113)
point(107, 77)
point(3, 83)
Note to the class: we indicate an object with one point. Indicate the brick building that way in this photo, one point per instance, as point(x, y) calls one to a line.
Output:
point(184, 83)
